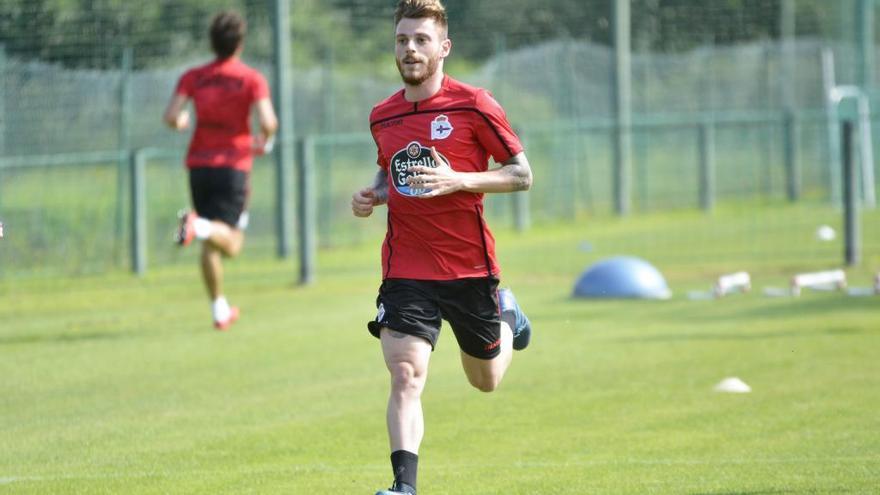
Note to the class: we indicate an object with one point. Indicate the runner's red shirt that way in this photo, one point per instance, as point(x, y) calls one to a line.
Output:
point(446, 237)
point(223, 92)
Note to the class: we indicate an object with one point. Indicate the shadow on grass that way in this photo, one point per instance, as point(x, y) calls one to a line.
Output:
point(759, 492)
point(765, 492)
point(744, 310)
point(63, 337)
point(781, 334)
point(811, 304)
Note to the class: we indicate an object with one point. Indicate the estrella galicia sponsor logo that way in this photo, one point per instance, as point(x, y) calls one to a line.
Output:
point(413, 155)
point(441, 127)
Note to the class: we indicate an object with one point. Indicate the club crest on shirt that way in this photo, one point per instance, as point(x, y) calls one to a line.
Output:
point(414, 154)
point(441, 127)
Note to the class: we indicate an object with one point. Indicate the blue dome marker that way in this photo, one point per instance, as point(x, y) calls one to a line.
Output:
point(624, 277)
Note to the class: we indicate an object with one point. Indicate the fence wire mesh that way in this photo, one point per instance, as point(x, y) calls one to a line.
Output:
point(735, 85)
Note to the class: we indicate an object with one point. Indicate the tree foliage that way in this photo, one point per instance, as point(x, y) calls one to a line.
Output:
point(92, 33)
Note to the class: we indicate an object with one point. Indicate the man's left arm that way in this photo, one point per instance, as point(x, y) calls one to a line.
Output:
point(514, 174)
point(268, 122)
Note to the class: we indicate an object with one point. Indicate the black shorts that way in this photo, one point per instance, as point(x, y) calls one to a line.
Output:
point(219, 193)
point(416, 307)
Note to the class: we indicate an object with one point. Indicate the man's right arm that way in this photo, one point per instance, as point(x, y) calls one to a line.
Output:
point(363, 201)
point(380, 187)
point(176, 116)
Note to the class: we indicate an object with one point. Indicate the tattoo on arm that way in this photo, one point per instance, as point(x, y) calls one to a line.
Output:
point(522, 176)
point(517, 168)
point(380, 186)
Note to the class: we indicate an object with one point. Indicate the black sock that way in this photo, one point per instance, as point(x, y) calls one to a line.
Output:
point(405, 466)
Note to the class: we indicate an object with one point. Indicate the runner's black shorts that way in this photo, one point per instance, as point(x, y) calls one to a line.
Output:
point(220, 193)
point(469, 305)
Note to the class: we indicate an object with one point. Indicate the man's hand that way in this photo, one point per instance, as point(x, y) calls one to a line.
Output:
point(176, 115)
point(363, 201)
point(438, 180)
point(262, 145)
point(182, 121)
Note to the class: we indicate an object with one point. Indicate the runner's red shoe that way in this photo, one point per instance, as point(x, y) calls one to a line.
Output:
point(224, 325)
point(186, 231)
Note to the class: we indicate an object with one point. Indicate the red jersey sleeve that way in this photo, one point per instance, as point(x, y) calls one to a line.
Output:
point(494, 131)
point(381, 160)
point(259, 87)
point(185, 84)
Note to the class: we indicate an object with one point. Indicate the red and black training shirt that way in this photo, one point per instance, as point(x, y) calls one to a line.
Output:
point(445, 237)
point(223, 92)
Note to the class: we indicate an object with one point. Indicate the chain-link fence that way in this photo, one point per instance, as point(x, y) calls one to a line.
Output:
point(729, 111)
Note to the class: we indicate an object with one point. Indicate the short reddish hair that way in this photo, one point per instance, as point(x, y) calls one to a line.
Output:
point(422, 9)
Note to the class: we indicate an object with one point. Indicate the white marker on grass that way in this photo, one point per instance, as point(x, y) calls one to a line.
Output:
point(825, 233)
point(827, 280)
point(733, 385)
point(734, 282)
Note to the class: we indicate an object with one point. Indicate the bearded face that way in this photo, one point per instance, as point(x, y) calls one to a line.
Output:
point(414, 70)
point(421, 46)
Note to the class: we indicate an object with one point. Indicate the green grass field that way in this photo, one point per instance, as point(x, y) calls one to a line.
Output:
point(119, 385)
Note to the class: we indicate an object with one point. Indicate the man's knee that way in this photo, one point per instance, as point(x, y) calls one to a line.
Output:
point(234, 249)
point(485, 382)
point(229, 245)
point(406, 379)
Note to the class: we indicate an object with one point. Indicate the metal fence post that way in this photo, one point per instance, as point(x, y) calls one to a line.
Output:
point(2, 113)
point(123, 142)
point(137, 162)
point(325, 212)
point(832, 124)
point(766, 144)
point(2, 99)
point(707, 165)
point(521, 218)
point(622, 90)
point(864, 41)
point(792, 156)
point(306, 209)
point(851, 252)
point(519, 201)
point(283, 89)
point(786, 86)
